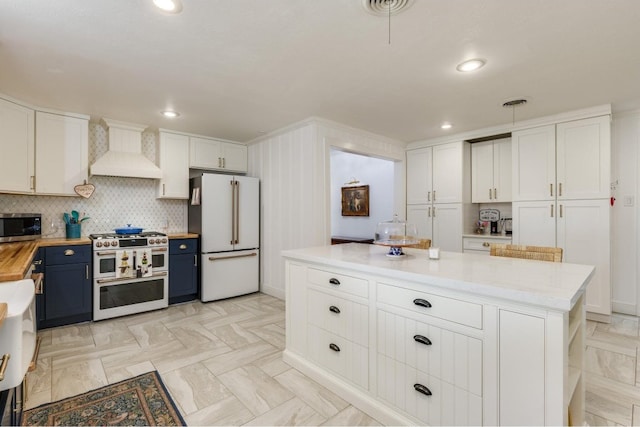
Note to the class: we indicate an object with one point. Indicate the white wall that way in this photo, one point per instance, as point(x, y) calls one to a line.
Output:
point(624, 219)
point(378, 174)
point(293, 167)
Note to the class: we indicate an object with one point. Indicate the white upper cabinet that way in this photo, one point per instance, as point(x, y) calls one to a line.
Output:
point(534, 163)
point(447, 173)
point(570, 160)
point(206, 153)
point(17, 144)
point(491, 171)
point(62, 153)
point(434, 174)
point(173, 159)
point(43, 153)
point(584, 158)
point(419, 182)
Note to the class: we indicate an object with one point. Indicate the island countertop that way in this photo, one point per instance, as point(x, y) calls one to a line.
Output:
point(545, 284)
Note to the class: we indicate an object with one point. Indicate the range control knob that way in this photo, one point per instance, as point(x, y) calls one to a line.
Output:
point(98, 244)
point(152, 241)
point(114, 243)
point(164, 240)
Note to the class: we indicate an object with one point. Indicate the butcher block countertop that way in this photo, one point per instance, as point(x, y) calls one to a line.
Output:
point(15, 258)
point(3, 312)
point(183, 236)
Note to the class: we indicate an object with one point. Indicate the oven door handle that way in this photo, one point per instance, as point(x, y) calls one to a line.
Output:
point(125, 279)
point(110, 253)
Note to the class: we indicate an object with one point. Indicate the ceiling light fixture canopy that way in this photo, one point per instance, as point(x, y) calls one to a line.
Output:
point(471, 65)
point(170, 6)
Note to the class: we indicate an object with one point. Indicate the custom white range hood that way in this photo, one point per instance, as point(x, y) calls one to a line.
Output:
point(125, 157)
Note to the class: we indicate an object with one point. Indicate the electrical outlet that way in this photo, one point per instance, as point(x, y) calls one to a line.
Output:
point(628, 200)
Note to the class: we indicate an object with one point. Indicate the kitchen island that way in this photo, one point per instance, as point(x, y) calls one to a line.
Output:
point(466, 339)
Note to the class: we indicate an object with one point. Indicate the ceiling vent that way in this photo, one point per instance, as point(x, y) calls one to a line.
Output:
point(381, 7)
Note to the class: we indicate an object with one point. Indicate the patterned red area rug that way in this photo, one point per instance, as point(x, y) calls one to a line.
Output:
point(139, 401)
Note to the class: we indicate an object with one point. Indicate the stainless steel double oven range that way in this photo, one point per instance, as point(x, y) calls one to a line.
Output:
point(130, 273)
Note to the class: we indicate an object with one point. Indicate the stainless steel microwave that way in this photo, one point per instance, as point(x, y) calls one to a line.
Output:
point(15, 227)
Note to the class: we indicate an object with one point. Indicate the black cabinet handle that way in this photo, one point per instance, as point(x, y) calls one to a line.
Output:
point(334, 347)
point(334, 309)
point(422, 389)
point(334, 281)
point(422, 339)
point(422, 302)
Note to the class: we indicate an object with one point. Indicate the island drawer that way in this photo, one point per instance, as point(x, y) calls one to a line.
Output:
point(340, 282)
point(340, 316)
point(431, 400)
point(343, 357)
point(451, 309)
point(450, 356)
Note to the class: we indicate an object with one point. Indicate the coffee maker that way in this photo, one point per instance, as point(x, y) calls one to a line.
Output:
point(492, 216)
point(508, 226)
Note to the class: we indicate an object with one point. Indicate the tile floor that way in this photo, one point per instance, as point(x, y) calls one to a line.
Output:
point(222, 363)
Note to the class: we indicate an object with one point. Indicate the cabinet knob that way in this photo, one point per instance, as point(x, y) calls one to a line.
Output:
point(334, 347)
point(422, 389)
point(69, 252)
point(334, 309)
point(183, 246)
point(422, 302)
point(334, 281)
point(422, 339)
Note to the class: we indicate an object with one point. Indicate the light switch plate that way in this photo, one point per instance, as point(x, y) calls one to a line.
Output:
point(628, 200)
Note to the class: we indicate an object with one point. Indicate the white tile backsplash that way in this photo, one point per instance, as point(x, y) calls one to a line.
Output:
point(116, 201)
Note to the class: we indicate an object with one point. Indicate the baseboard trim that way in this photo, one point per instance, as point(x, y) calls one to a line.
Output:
point(274, 292)
point(604, 318)
point(624, 308)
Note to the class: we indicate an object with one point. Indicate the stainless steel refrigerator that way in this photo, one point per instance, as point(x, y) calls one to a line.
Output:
point(225, 211)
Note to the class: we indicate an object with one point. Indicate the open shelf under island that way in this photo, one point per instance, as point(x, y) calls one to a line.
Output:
point(463, 340)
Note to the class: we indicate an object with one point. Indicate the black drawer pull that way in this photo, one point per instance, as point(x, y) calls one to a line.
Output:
point(334, 281)
point(422, 302)
point(334, 309)
point(422, 389)
point(334, 347)
point(422, 339)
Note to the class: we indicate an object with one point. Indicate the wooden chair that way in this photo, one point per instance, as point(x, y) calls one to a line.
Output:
point(538, 253)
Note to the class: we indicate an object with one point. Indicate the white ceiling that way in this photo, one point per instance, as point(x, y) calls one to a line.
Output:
point(236, 68)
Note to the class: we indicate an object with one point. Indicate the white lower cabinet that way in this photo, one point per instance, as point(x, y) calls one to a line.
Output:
point(481, 244)
point(442, 223)
point(417, 354)
point(581, 228)
point(429, 372)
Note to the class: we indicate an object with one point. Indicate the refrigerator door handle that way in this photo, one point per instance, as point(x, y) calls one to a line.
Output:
point(218, 258)
point(236, 220)
point(233, 208)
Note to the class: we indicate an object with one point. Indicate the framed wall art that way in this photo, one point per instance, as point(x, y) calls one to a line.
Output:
point(355, 201)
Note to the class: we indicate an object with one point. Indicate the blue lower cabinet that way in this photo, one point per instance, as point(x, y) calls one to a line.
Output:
point(183, 270)
point(67, 290)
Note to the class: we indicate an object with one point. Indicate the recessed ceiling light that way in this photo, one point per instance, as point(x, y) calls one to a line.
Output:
point(446, 125)
point(471, 65)
point(170, 114)
point(171, 6)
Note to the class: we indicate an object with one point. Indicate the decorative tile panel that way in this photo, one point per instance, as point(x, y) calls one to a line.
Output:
point(116, 201)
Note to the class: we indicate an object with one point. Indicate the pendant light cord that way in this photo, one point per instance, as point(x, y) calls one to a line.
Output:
point(389, 4)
